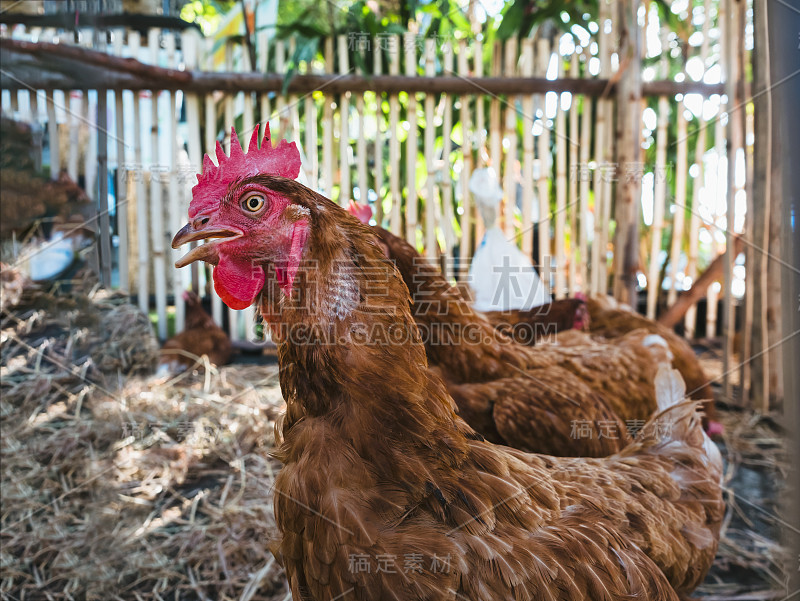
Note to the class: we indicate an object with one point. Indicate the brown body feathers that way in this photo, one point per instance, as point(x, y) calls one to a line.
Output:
point(386, 493)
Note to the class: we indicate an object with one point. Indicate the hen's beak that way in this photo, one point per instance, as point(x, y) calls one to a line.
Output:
point(205, 252)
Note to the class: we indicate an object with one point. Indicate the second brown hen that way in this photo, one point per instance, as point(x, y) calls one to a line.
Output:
point(201, 336)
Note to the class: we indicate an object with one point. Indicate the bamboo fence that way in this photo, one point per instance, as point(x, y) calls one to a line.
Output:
point(404, 137)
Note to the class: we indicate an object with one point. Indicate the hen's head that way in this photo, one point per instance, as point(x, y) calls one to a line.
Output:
point(249, 223)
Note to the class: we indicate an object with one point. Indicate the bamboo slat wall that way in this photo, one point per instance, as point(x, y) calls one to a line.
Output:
point(409, 154)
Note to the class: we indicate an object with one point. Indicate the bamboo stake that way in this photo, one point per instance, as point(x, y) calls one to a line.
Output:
point(495, 131)
point(75, 120)
point(713, 293)
point(142, 221)
point(448, 216)
point(156, 200)
point(377, 172)
point(52, 133)
point(411, 143)
point(280, 67)
point(431, 245)
point(345, 188)
point(700, 150)
point(479, 136)
point(694, 228)
point(120, 182)
point(101, 143)
point(660, 191)
point(176, 214)
point(598, 275)
point(607, 70)
point(293, 131)
point(327, 126)
point(14, 104)
point(210, 143)
point(464, 251)
point(679, 218)
point(479, 141)
point(227, 103)
point(629, 151)
point(262, 46)
point(749, 290)
point(575, 256)
point(90, 157)
point(582, 172)
point(527, 152)
point(248, 315)
point(561, 191)
point(361, 148)
point(735, 137)
point(510, 137)
point(395, 222)
point(543, 183)
point(312, 151)
point(190, 48)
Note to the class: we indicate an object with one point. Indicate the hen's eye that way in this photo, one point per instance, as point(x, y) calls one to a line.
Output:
point(253, 203)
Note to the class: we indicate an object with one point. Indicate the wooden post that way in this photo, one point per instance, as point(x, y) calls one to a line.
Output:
point(377, 172)
point(528, 116)
point(102, 187)
point(431, 244)
point(510, 138)
point(660, 188)
point(599, 284)
point(345, 188)
point(575, 258)
point(142, 211)
point(189, 49)
point(156, 199)
point(629, 154)
point(582, 173)
point(411, 143)
point(464, 251)
point(327, 126)
point(210, 135)
point(561, 191)
point(361, 146)
point(120, 183)
point(543, 184)
point(735, 136)
point(395, 219)
point(694, 222)
point(446, 183)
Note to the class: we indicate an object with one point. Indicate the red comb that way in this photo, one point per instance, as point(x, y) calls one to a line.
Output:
point(213, 182)
point(361, 211)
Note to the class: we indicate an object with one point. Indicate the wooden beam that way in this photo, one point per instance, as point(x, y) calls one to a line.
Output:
point(713, 273)
point(46, 66)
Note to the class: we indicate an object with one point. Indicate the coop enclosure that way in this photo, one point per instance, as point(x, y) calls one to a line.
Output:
point(400, 121)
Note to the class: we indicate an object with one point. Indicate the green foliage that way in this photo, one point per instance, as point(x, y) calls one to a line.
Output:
point(206, 13)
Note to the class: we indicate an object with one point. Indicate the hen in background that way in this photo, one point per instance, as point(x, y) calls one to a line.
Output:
point(201, 336)
point(531, 326)
point(607, 320)
point(376, 463)
point(529, 398)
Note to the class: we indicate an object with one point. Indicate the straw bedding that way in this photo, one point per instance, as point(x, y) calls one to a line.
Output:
point(118, 485)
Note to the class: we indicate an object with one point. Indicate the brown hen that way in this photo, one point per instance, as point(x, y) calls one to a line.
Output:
point(618, 376)
point(386, 493)
point(201, 336)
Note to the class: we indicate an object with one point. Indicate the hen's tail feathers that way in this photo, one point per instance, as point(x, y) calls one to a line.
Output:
point(678, 422)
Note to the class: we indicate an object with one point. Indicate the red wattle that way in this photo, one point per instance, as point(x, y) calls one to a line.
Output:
point(238, 282)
